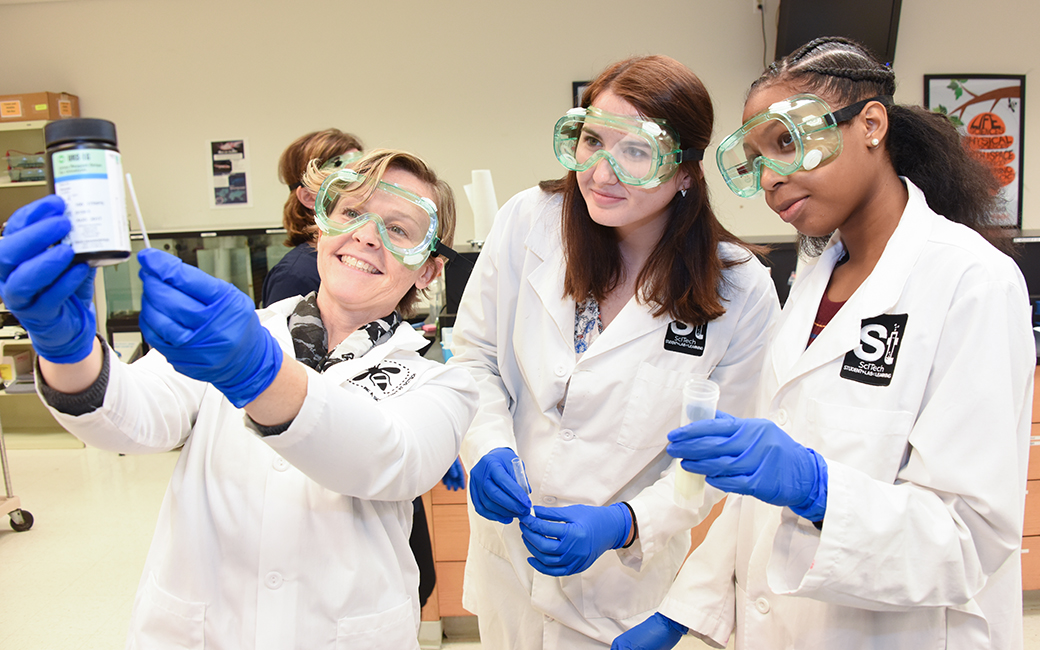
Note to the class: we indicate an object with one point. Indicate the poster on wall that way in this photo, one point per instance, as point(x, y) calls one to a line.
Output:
point(989, 111)
point(229, 174)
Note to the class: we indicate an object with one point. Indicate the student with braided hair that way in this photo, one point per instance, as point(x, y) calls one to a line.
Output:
point(878, 502)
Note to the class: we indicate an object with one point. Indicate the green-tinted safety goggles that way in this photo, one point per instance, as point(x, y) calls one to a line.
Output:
point(342, 160)
point(407, 223)
point(799, 132)
point(642, 152)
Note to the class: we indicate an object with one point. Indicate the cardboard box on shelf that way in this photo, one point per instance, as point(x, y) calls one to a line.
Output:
point(38, 106)
point(13, 366)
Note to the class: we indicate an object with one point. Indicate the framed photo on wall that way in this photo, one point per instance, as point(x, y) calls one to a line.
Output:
point(989, 110)
point(577, 90)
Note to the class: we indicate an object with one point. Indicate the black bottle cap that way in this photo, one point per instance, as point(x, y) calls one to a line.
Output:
point(78, 129)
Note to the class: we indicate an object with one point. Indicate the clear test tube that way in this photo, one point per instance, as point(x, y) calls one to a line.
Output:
point(520, 474)
point(700, 398)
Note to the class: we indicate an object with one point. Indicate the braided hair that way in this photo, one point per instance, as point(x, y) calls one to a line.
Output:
point(922, 146)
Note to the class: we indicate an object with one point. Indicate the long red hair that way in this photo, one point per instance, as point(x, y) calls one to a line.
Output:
point(683, 275)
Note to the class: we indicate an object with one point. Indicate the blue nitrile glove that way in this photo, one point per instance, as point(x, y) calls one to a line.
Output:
point(567, 540)
point(52, 299)
point(495, 493)
point(754, 457)
point(655, 633)
point(206, 328)
point(455, 479)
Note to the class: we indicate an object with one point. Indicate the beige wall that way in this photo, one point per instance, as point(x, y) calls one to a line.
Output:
point(465, 83)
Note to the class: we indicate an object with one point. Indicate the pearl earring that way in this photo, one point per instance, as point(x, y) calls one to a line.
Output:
point(875, 142)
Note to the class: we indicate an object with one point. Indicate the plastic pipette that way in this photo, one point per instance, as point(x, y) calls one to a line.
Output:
point(137, 209)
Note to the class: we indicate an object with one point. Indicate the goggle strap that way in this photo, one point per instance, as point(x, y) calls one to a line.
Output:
point(451, 255)
point(852, 110)
point(690, 154)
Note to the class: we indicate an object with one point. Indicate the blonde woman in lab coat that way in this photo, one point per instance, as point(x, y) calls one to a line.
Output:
point(308, 427)
point(594, 299)
point(880, 503)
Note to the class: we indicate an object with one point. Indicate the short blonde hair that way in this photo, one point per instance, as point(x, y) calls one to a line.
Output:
point(373, 166)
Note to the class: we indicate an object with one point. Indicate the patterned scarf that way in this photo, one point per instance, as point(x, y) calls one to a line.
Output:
point(587, 324)
point(311, 340)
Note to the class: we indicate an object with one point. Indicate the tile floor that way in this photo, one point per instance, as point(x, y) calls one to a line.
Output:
point(69, 582)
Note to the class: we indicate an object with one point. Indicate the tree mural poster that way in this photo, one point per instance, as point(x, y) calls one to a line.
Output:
point(989, 111)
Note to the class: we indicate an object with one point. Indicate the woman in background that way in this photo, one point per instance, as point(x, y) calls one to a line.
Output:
point(296, 274)
point(595, 297)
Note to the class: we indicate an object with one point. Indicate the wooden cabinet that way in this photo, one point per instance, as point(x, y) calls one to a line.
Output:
point(1031, 527)
point(449, 531)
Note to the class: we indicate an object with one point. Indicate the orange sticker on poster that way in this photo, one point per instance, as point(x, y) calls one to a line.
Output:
point(987, 124)
point(989, 141)
point(996, 158)
point(1005, 175)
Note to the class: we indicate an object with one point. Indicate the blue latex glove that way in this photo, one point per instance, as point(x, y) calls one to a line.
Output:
point(754, 457)
point(206, 328)
point(655, 633)
point(564, 541)
point(52, 298)
point(455, 479)
point(494, 491)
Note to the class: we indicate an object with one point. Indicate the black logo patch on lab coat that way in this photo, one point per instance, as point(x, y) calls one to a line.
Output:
point(688, 339)
point(873, 361)
point(383, 380)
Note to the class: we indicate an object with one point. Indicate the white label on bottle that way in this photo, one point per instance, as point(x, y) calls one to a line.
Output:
point(91, 183)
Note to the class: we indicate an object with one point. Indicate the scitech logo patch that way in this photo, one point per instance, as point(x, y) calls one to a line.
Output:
point(684, 338)
point(874, 360)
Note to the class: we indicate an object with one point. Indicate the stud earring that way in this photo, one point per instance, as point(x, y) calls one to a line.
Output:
point(875, 142)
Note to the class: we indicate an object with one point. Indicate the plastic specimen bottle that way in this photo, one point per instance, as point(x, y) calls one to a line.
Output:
point(87, 172)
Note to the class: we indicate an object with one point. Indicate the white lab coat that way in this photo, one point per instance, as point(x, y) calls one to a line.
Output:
point(920, 544)
point(298, 540)
point(515, 333)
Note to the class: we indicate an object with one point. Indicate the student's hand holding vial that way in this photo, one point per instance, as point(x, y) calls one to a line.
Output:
point(757, 458)
point(494, 489)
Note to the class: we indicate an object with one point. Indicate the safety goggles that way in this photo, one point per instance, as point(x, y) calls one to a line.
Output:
point(799, 132)
point(333, 164)
point(342, 160)
point(642, 152)
point(407, 223)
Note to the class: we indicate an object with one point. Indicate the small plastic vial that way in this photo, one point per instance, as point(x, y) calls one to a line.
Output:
point(87, 172)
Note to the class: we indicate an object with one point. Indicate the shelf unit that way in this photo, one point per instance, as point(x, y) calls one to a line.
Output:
point(21, 136)
point(24, 412)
